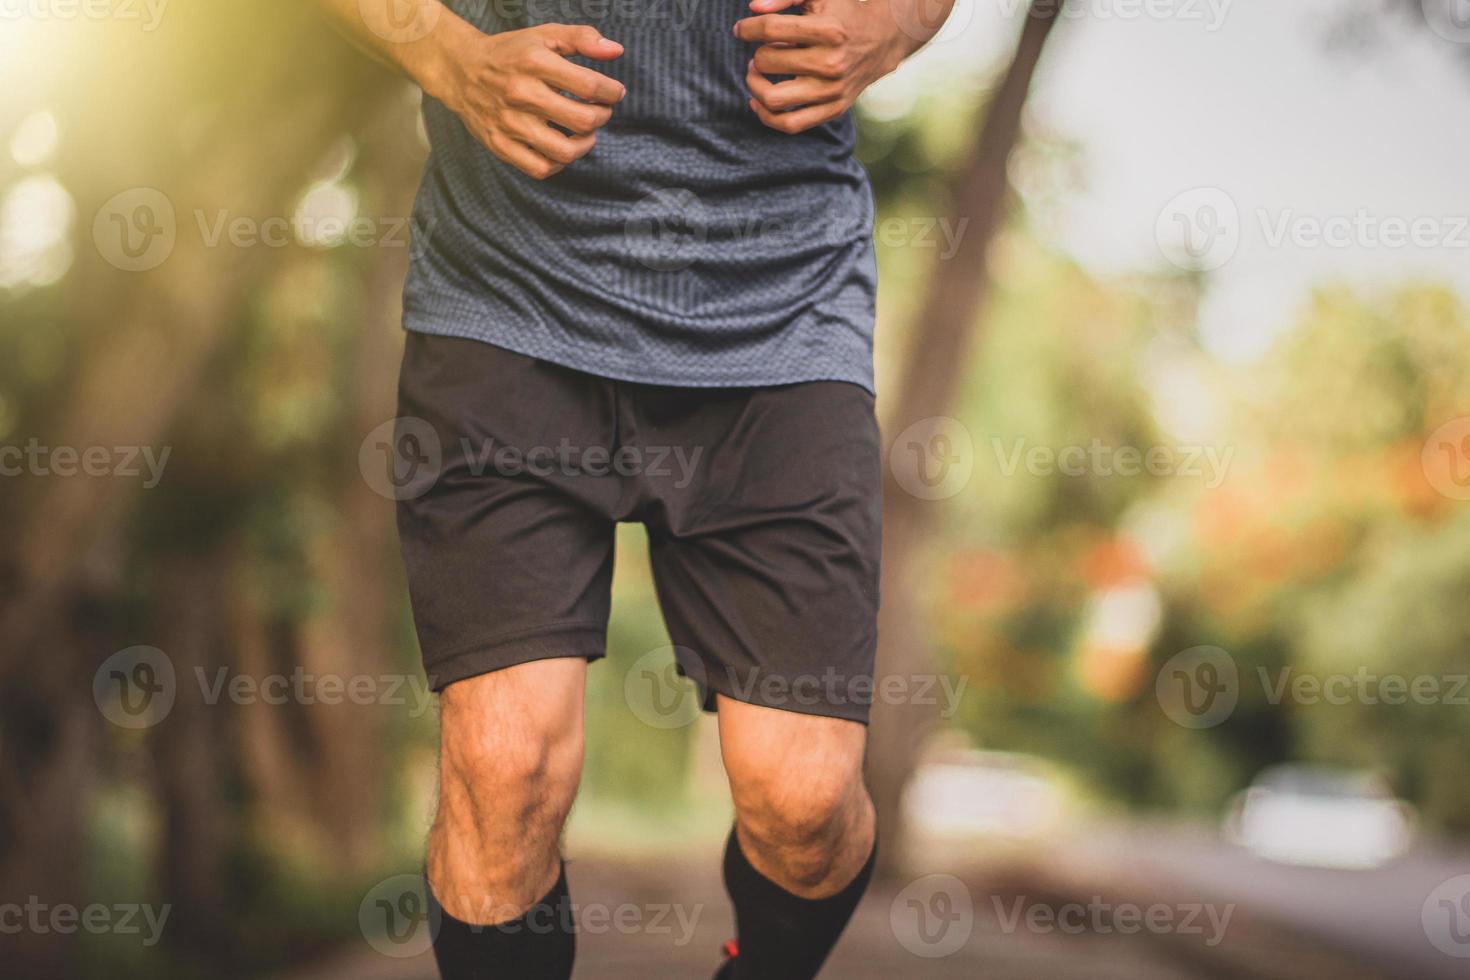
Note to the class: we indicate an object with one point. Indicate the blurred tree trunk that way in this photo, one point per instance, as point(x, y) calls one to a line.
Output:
point(48, 734)
point(191, 759)
point(940, 340)
point(355, 561)
point(292, 92)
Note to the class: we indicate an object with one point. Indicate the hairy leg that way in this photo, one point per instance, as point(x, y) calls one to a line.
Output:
point(510, 759)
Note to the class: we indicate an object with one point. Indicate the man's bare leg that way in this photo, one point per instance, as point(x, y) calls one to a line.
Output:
point(801, 852)
point(510, 759)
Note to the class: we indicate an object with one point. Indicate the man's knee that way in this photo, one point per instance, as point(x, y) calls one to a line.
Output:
point(797, 807)
point(510, 753)
point(507, 777)
point(797, 785)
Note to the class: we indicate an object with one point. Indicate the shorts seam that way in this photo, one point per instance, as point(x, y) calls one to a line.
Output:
point(850, 711)
point(500, 639)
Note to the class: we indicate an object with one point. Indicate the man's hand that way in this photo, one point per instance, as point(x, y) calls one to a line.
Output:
point(507, 89)
point(836, 50)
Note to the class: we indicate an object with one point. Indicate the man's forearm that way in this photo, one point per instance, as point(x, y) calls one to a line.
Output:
point(423, 48)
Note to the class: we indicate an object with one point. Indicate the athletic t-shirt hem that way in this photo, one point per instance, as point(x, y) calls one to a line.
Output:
point(619, 370)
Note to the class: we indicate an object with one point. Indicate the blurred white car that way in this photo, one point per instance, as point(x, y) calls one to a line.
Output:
point(1321, 817)
point(966, 793)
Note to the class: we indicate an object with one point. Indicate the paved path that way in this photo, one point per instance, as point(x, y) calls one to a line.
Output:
point(665, 918)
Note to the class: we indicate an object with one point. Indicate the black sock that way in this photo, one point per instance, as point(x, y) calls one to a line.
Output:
point(540, 945)
point(782, 936)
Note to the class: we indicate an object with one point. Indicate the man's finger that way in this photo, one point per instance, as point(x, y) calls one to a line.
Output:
point(582, 82)
point(800, 91)
point(522, 157)
point(792, 30)
point(816, 62)
point(579, 117)
point(801, 119)
point(774, 6)
point(557, 147)
point(570, 39)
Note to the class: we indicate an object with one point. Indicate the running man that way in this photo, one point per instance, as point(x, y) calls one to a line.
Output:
point(642, 236)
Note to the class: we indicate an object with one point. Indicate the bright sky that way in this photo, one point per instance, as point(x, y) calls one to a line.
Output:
point(1245, 97)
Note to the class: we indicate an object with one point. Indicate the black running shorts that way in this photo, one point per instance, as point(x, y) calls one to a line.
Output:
point(762, 507)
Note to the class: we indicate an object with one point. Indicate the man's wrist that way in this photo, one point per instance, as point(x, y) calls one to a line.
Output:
point(432, 60)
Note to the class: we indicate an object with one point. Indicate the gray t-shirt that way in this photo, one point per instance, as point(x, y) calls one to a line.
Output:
point(692, 246)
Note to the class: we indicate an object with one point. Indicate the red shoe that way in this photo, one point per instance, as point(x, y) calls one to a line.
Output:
point(727, 969)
